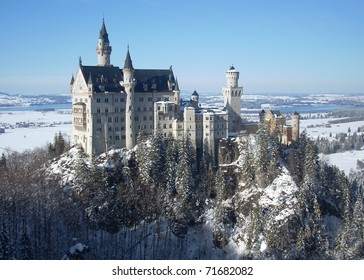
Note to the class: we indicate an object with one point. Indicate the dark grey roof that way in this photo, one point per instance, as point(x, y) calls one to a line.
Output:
point(72, 80)
point(128, 63)
point(195, 93)
point(276, 112)
point(149, 80)
point(176, 87)
point(232, 68)
point(109, 77)
point(103, 78)
point(103, 33)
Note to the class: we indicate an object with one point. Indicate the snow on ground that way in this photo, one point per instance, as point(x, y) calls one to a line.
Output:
point(322, 128)
point(23, 138)
point(344, 161)
point(282, 192)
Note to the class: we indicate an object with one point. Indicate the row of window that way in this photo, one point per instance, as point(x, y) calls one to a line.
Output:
point(106, 100)
point(122, 100)
point(81, 100)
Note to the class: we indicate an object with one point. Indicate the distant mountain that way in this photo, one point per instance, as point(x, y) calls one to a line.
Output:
point(9, 100)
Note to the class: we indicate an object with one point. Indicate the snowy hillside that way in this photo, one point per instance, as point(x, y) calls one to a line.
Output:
point(273, 218)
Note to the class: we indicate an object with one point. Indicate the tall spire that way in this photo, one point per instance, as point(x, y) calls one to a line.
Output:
point(103, 33)
point(103, 49)
point(128, 63)
point(176, 87)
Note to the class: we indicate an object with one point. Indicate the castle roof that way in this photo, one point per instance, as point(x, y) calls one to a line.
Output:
point(128, 63)
point(108, 77)
point(195, 93)
point(276, 112)
point(176, 87)
point(152, 80)
point(103, 33)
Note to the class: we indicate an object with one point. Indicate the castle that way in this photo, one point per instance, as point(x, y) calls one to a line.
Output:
point(110, 105)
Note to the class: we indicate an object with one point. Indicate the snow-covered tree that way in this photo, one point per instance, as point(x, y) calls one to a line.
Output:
point(26, 247)
point(4, 244)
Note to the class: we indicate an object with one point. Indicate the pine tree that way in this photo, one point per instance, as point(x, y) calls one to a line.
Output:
point(25, 247)
point(2, 161)
point(158, 156)
point(184, 179)
point(4, 244)
point(220, 238)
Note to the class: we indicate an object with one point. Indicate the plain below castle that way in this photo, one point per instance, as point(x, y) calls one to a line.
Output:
point(111, 105)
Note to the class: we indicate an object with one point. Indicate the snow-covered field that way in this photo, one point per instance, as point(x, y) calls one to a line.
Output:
point(42, 131)
point(344, 161)
point(321, 127)
point(49, 123)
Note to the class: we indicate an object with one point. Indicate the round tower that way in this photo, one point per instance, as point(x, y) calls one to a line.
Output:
point(232, 99)
point(295, 126)
point(195, 96)
point(232, 77)
point(129, 83)
point(103, 49)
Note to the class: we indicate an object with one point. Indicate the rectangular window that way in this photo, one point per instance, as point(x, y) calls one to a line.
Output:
point(122, 100)
point(117, 137)
point(116, 100)
point(150, 99)
point(98, 100)
point(141, 99)
point(116, 119)
point(109, 119)
point(98, 120)
point(106, 100)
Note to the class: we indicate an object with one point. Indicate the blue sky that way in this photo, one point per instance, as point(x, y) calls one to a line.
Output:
point(279, 46)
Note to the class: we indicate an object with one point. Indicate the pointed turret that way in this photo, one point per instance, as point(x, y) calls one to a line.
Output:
point(129, 84)
point(89, 79)
point(176, 86)
point(103, 33)
point(103, 47)
point(128, 62)
point(72, 80)
point(177, 94)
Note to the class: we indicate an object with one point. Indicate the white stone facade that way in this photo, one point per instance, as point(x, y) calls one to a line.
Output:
point(111, 105)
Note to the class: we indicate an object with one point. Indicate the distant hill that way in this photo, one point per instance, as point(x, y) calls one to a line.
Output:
point(9, 100)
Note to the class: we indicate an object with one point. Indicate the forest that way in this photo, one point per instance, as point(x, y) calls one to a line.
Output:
point(165, 200)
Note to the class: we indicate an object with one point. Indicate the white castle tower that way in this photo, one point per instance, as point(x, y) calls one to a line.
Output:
point(103, 47)
point(295, 127)
point(129, 83)
point(232, 98)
